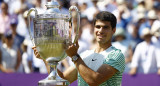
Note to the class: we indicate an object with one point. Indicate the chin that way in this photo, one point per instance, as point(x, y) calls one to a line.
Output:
point(101, 42)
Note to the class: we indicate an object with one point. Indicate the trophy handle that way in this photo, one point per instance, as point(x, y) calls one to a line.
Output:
point(78, 22)
point(29, 29)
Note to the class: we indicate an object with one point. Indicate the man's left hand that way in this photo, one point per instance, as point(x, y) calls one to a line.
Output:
point(72, 49)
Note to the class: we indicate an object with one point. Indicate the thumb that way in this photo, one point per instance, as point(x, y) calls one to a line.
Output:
point(77, 44)
point(33, 47)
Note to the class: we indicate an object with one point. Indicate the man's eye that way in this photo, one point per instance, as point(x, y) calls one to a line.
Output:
point(105, 27)
point(98, 26)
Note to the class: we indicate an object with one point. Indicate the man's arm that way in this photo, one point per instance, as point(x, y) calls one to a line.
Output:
point(70, 74)
point(19, 60)
point(133, 71)
point(135, 60)
point(1, 66)
point(94, 78)
point(158, 71)
point(91, 77)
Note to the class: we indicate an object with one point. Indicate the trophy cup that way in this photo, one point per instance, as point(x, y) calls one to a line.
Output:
point(50, 34)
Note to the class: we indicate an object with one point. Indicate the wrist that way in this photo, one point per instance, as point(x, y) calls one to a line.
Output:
point(71, 55)
point(75, 57)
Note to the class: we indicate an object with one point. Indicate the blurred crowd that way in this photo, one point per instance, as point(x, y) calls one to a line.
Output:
point(137, 33)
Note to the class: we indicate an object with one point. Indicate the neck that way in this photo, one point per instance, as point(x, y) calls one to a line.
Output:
point(9, 45)
point(14, 33)
point(4, 14)
point(148, 41)
point(102, 47)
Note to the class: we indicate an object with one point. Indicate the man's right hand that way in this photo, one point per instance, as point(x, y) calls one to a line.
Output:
point(38, 56)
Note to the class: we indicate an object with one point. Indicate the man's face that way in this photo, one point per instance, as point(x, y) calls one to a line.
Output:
point(13, 27)
point(103, 31)
point(4, 8)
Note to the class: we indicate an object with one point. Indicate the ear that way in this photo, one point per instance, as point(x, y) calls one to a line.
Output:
point(113, 30)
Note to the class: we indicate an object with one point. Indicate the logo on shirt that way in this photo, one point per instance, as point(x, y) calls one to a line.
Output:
point(94, 59)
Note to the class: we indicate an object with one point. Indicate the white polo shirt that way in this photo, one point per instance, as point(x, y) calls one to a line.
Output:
point(145, 58)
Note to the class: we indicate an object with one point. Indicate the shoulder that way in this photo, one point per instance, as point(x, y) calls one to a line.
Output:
point(115, 53)
point(4, 46)
point(114, 50)
point(156, 43)
point(141, 44)
point(116, 59)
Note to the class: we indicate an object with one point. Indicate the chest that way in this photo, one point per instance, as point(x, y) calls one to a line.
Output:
point(4, 20)
point(95, 60)
point(147, 52)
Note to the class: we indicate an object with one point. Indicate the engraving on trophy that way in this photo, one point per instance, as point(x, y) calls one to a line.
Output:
point(49, 39)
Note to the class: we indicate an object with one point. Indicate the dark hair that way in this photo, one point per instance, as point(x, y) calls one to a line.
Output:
point(106, 16)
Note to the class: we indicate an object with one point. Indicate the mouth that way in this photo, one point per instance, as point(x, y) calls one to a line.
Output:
point(100, 36)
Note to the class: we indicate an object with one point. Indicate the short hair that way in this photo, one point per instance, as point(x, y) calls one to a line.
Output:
point(106, 16)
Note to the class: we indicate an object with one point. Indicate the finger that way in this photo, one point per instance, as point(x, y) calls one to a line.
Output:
point(33, 47)
point(38, 56)
point(77, 45)
point(34, 51)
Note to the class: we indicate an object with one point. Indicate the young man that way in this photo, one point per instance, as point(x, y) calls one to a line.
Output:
point(104, 65)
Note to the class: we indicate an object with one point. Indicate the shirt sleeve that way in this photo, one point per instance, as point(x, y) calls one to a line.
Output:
point(116, 59)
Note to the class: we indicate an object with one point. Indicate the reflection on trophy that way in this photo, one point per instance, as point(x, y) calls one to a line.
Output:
point(50, 34)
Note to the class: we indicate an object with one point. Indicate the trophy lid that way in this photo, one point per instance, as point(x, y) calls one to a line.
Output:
point(52, 12)
point(52, 7)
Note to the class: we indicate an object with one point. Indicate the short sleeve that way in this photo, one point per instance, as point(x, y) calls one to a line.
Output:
point(116, 59)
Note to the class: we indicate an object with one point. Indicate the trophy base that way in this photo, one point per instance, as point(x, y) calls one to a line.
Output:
point(45, 82)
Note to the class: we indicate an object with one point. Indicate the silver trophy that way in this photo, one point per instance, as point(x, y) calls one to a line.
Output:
point(50, 34)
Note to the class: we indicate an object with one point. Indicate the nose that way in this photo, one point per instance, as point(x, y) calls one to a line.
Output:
point(101, 30)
